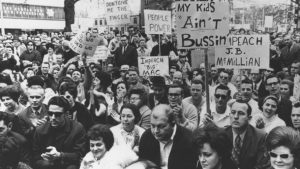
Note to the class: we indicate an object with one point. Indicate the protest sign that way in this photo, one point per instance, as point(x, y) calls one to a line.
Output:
point(153, 65)
point(158, 22)
point(244, 52)
point(85, 42)
point(117, 12)
point(201, 23)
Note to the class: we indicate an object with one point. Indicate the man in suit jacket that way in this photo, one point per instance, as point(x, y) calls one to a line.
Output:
point(249, 149)
point(290, 52)
point(166, 144)
point(126, 54)
point(36, 113)
point(284, 107)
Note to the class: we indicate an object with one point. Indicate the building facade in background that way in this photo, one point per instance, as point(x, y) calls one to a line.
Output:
point(32, 15)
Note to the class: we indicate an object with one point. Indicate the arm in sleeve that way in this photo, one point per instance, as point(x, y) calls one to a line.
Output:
point(79, 148)
point(88, 78)
point(262, 160)
point(191, 118)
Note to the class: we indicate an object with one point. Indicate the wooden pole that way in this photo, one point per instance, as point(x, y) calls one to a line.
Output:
point(159, 46)
point(206, 81)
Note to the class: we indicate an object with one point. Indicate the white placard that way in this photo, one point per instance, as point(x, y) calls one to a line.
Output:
point(153, 66)
point(244, 52)
point(117, 12)
point(158, 22)
point(199, 22)
point(85, 42)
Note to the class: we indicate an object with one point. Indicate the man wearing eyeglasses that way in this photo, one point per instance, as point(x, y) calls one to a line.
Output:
point(249, 149)
point(60, 142)
point(185, 113)
point(284, 107)
point(220, 111)
point(125, 54)
point(224, 79)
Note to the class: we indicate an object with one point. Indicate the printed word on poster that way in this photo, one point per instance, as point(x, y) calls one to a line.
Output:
point(201, 23)
point(244, 52)
point(85, 42)
point(117, 12)
point(153, 65)
point(158, 22)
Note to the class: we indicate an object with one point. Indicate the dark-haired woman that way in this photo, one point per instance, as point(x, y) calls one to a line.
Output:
point(98, 97)
point(213, 147)
point(102, 152)
point(128, 133)
point(114, 115)
point(283, 146)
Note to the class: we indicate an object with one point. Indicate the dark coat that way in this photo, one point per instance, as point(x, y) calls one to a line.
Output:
point(14, 149)
point(82, 115)
point(182, 155)
point(70, 140)
point(33, 56)
point(27, 127)
point(253, 153)
point(290, 54)
point(128, 58)
point(151, 103)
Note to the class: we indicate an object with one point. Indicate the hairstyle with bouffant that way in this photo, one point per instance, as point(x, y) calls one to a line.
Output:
point(287, 137)
point(101, 132)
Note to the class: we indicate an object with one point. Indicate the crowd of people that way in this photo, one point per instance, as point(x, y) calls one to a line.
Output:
point(59, 110)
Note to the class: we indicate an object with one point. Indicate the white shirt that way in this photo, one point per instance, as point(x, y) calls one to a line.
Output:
point(221, 120)
point(165, 150)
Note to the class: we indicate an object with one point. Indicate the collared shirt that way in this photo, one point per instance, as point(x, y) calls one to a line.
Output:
point(242, 135)
point(221, 120)
point(165, 150)
point(34, 116)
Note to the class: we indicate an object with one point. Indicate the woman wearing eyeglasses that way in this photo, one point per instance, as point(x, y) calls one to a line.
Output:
point(268, 119)
point(283, 146)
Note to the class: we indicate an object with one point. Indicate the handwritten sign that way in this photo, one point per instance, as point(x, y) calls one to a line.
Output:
point(85, 42)
point(117, 12)
point(201, 23)
point(153, 65)
point(244, 51)
point(158, 22)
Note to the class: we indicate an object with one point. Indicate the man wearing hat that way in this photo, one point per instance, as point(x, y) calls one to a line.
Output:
point(159, 95)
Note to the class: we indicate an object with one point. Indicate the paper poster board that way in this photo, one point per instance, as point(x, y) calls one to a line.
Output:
point(153, 65)
point(158, 22)
point(117, 12)
point(201, 23)
point(85, 42)
point(244, 52)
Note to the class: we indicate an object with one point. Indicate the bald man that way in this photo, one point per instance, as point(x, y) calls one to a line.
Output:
point(166, 144)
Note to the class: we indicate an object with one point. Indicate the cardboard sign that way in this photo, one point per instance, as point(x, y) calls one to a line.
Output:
point(117, 12)
point(158, 22)
point(85, 42)
point(153, 65)
point(201, 23)
point(244, 52)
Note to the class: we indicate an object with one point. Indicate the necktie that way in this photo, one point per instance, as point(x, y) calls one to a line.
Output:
point(236, 150)
point(123, 51)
